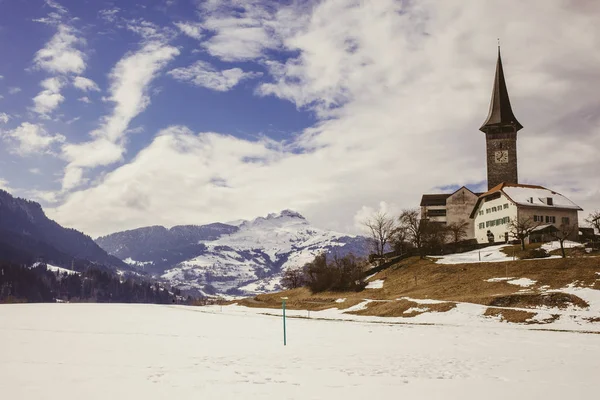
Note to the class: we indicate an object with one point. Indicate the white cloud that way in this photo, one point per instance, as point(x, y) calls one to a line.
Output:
point(28, 139)
point(1, 76)
point(400, 89)
point(130, 80)
point(109, 14)
point(191, 29)
point(85, 99)
point(245, 29)
point(4, 185)
point(150, 31)
point(14, 90)
point(46, 102)
point(85, 84)
point(46, 196)
point(203, 74)
point(35, 171)
point(52, 18)
point(53, 85)
point(60, 54)
point(49, 99)
point(4, 117)
point(56, 6)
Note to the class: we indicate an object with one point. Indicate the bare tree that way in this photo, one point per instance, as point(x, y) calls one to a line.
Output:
point(293, 278)
point(564, 232)
point(458, 230)
point(415, 227)
point(381, 228)
point(399, 240)
point(594, 220)
point(521, 228)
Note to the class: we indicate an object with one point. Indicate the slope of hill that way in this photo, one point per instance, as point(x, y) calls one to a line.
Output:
point(247, 257)
point(562, 292)
point(27, 234)
point(156, 248)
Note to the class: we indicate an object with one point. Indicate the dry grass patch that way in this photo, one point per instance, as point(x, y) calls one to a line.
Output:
point(303, 299)
point(593, 319)
point(399, 308)
point(529, 300)
point(514, 316)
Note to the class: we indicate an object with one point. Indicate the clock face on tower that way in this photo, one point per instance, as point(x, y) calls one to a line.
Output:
point(501, 157)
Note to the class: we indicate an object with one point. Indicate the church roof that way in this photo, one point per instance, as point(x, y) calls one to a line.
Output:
point(500, 115)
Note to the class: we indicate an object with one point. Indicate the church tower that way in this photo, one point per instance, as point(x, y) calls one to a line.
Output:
point(500, 128)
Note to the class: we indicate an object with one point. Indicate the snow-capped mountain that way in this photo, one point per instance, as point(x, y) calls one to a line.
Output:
point(244, 258)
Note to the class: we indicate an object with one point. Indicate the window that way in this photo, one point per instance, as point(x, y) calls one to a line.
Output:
point(536, 218)
point(549, 201)
point(550, 220)
point(565, 221)
point(493, 223)
point(499, 221)
point(506, 206)
point(487, 224)
point(436, 213)
point(487, 210)
point(481, 225)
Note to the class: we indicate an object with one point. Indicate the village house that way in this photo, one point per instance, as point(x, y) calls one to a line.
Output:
point(451, 208)
point(547, 211)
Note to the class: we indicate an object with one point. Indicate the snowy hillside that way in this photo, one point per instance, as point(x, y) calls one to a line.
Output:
point(244, 258)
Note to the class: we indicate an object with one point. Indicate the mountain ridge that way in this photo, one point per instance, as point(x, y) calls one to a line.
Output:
point(244, 258)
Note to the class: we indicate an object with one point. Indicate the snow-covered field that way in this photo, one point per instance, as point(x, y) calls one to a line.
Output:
point(92, 351)
point(488, 254)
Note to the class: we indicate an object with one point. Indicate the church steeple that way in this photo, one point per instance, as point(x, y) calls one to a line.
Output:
point(500, 118)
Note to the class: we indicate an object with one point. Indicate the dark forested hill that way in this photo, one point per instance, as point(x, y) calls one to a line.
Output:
point(26, 234)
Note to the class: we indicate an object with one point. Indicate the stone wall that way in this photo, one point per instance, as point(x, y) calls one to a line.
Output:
point(501, 172)
point(459, 207)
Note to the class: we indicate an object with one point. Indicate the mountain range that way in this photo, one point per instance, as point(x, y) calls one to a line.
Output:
point(237, 258)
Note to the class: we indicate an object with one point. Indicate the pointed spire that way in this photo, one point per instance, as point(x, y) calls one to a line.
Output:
point(500, 117)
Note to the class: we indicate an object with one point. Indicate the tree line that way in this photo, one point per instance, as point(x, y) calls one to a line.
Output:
point(23, 284)
point(328, 273)
point(411, 232)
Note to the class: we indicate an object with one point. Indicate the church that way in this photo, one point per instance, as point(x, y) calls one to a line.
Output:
point(488, 214)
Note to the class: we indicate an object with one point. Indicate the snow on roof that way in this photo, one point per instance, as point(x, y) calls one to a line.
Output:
point(538, 196)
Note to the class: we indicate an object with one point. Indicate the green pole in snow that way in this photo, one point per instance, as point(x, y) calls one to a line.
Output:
point(283, 308)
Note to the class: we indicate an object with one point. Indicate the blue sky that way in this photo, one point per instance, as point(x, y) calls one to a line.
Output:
point(116, 115)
